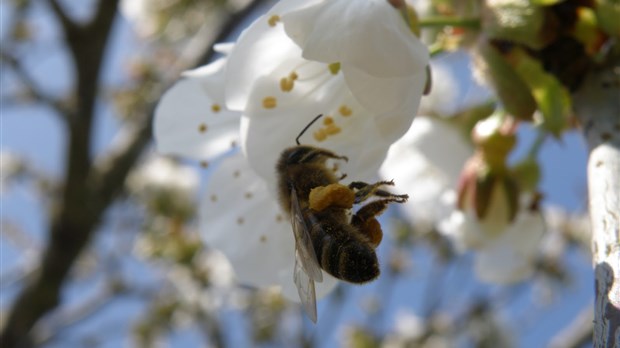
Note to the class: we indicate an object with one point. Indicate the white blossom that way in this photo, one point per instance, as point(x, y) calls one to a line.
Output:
point(266, 92)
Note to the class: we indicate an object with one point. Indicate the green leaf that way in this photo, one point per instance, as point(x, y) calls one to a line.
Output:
point(552, 98)
point(608, 14)
point(511, 89)
point(523, 22)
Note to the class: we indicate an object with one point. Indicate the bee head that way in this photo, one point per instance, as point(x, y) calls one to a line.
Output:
point(303, 154)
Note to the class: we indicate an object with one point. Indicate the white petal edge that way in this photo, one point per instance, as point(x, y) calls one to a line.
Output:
point(186, 125)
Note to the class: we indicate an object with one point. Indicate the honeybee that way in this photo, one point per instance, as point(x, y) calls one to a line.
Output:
point(327, 236)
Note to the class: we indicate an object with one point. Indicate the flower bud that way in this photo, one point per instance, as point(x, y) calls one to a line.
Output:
point(495, 139)
point(492, 195)
point(492, 68)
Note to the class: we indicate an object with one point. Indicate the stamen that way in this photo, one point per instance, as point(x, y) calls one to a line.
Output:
point(204, 164)
point(240, 221)
point(320, 135)
point(263, 238)
point(270, 102)
point(273, 20)
point(334, 68)
point(248, 195)
point(216, 108)
point(327, 120)
point(332, 129)
point(202, 128)
point(213, 198)
point(287, 84)
point(345, 110)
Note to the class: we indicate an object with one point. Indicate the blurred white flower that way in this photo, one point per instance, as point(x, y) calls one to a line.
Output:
point(144, 14)
point(10, 166)
point(162, 173)
point(267, 82)
point(501, 256)
point(426, 163)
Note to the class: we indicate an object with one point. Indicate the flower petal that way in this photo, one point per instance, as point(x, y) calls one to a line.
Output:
point(189, 122)
point(370, 35)
point(260, 49)
point(510, 257)
point(395, 100)
point(426, 163)
point(242, 220)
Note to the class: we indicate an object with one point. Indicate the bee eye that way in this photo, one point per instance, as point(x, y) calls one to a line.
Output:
point(300, 155)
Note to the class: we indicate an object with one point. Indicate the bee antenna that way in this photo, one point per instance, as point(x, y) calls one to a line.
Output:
point(306, 128)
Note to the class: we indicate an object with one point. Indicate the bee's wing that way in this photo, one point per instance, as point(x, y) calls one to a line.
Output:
point(305, 254)
point(305, 288)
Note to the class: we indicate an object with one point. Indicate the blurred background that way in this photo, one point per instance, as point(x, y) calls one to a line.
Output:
point(100, 246)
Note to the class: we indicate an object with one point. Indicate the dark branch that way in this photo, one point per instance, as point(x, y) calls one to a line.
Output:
point(88, 190)
point(32, 89)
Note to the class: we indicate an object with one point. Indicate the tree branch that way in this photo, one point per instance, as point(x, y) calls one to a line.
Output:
point(32, 89)
point(88, 190)
point(598, 107)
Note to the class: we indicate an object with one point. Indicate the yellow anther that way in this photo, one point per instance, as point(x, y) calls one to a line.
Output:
point(204, 164)
point(334, 68)
point(327, 120)
point(216, 108)
point(287, 84)
point(202, 128)
point(273, 20)
point(332, 129)
point(345, 110)
point(320, 135)
point(293, 76)
point(270, 102)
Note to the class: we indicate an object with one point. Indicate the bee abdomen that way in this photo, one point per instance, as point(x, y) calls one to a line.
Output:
point(350, 260)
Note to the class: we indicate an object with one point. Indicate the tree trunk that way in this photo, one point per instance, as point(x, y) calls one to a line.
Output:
point(597, 105)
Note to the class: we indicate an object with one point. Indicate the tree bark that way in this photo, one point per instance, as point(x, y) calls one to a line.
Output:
point(597, 105)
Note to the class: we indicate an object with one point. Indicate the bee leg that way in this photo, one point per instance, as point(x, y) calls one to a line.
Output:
point(365, 220)
point(365, 191)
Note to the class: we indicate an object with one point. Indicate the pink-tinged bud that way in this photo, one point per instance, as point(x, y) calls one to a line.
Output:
point(398, 4)
point(493, 196)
